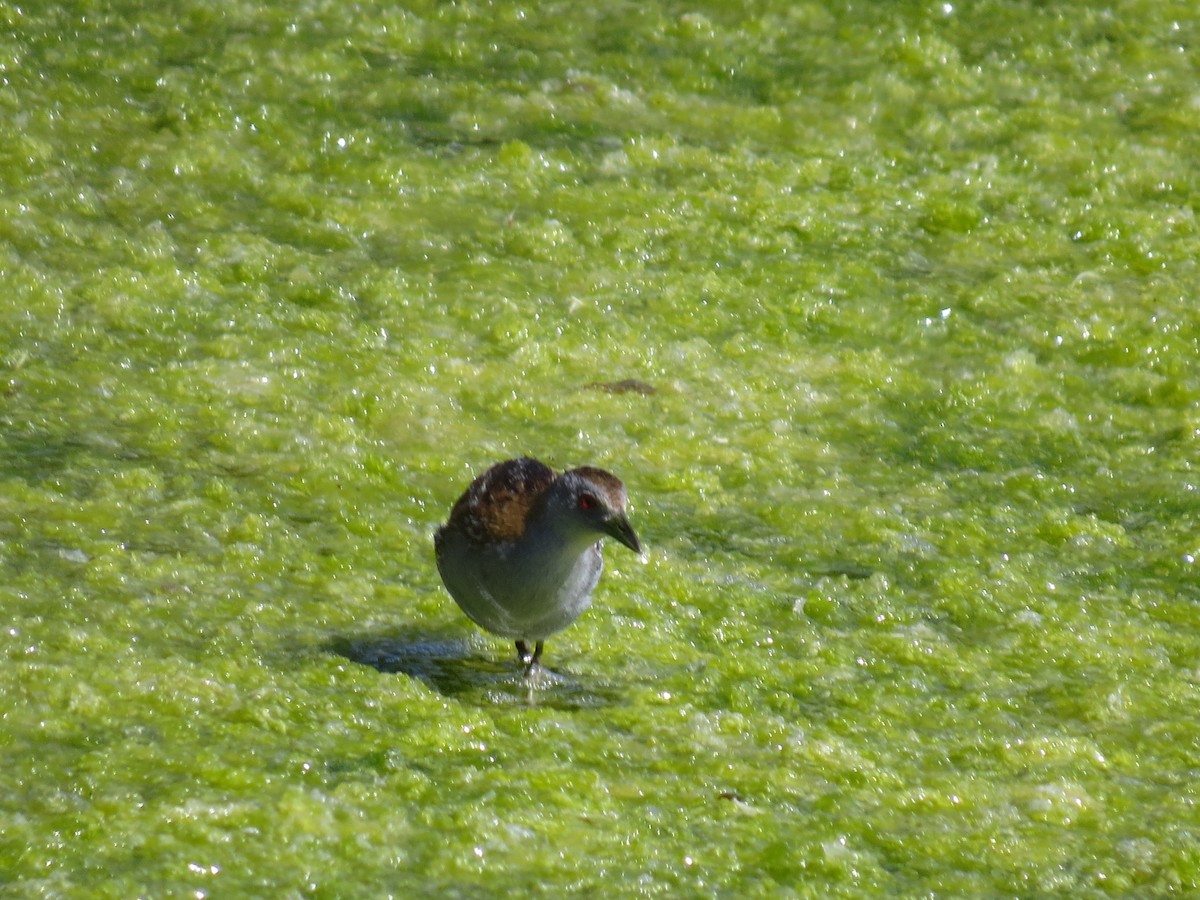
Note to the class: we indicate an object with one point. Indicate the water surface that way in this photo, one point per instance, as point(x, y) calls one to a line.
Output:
point(913, 285)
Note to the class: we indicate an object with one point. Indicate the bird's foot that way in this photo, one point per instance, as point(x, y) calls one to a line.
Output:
point(531, 661)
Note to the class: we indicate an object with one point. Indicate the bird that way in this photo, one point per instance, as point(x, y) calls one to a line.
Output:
point(520, 551)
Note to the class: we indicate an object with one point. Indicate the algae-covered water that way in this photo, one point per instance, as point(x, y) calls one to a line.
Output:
point(908, 291)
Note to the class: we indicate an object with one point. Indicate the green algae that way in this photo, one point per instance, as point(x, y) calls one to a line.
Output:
point(914, 286)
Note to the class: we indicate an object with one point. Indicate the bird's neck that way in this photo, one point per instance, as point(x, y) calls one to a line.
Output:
point(551, 544)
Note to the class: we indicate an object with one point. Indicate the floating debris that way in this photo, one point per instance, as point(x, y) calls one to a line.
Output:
point(628, 386)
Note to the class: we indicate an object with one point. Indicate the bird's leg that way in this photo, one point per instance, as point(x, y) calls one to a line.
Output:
point(531, 661)
point(526, 658)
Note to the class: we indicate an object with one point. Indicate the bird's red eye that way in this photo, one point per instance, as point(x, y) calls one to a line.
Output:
point(587, 501)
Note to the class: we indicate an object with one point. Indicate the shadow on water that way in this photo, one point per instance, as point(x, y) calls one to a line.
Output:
point(454, 667)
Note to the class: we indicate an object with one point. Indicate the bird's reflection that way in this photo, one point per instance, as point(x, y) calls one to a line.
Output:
point(462, 668)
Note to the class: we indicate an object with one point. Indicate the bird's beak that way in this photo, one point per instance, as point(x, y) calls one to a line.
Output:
point(618, 526)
